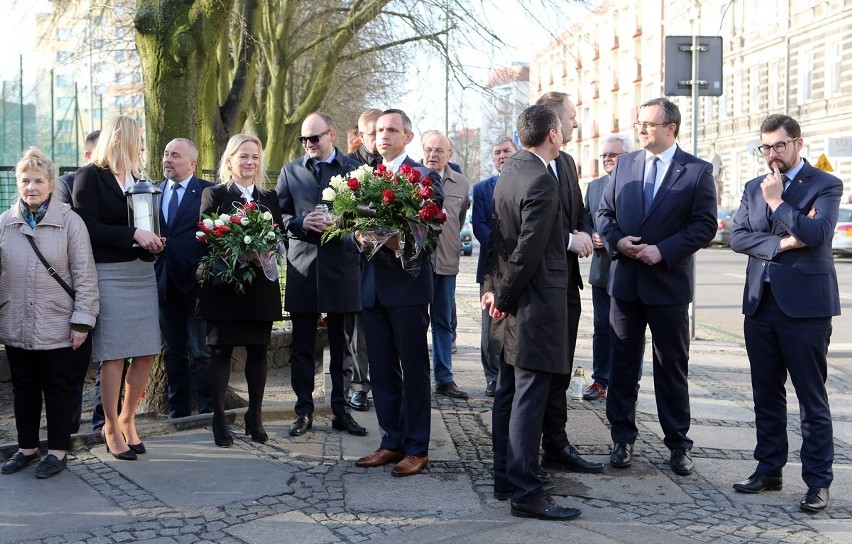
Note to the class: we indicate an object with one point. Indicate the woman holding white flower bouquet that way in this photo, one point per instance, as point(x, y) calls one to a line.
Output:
point(237, 299)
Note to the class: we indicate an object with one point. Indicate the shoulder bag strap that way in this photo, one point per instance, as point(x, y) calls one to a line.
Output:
point(50, 269)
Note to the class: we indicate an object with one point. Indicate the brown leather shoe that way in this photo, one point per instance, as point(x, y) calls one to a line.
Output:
point(380, 457)
point(410, 466)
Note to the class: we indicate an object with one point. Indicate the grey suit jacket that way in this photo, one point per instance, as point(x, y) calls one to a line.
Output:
point(599, 267)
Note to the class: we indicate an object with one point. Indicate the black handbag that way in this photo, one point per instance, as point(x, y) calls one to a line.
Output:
point(50, 269)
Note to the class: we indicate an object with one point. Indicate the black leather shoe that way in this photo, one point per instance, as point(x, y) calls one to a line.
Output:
point(502, 494)
point(451, 390)
point(569, 459)
point(221, 433)
point(758, 483)
point(815, 500)
point(302, 425)
point(51, 466)
point(358, 401)
point(681, 462)
point(346, 423)
point(621, 456)
point(19, 461)
point(490, 389)
point(545, 508)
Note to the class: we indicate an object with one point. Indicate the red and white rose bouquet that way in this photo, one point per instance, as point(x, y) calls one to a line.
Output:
point(235, 242)
point(381, 204)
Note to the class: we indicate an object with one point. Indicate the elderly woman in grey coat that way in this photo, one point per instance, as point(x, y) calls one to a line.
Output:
point(42, 320)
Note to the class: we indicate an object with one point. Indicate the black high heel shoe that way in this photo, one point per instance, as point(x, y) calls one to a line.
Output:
point(128, 455)
point(257, 432)
point(138, 449)
point(222, 437)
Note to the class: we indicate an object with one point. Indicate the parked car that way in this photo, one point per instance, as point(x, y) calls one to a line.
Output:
point(841, 244)
point(466, 239)
point(724, 224)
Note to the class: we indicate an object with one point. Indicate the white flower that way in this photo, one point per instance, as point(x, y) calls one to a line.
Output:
point(337, 183)
point(208, 223)
point(225, 217)
point(363, 173)
point(270, 235)
point(244, 221)
point(219, 223)
point(247, 239)
point(199, 234)
point(267, 216)
point(328, 194)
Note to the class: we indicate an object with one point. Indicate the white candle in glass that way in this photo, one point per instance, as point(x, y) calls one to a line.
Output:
point(141, 213)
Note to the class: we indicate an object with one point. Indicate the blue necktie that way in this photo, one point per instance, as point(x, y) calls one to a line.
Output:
point(650, 181)
point(174, 200)
point(318, 170)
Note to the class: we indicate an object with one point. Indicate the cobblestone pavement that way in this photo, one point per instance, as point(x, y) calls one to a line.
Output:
point(307, 489)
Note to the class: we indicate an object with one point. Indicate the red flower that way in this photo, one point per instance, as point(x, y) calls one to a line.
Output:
point(353, 184)
point(405, 169)
point(219, 231)
point(250, 205)
point(441, 217)
point(387, 196)
point(426, 181)
point(235, 219)
point(414, 176)
point(202, 239)
point(426, 191)
point(380, 169)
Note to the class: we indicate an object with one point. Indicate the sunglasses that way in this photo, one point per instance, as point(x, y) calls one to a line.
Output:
point(313, 139)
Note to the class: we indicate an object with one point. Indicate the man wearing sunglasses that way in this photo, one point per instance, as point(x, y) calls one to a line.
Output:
point(321, 277)
point(657, 211)
point(785, 224)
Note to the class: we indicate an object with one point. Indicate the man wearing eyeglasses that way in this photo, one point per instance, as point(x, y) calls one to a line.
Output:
point(785, 225)
point(658, 210)
point(614, 146)
point(321, 277)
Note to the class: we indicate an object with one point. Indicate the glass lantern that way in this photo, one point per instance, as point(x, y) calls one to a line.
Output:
point(143, 206)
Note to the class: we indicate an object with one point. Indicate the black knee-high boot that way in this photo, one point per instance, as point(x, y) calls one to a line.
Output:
point(256, 369)
point(219, 372)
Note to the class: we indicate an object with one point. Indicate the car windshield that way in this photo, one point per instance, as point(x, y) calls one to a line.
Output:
point(724, 213)
point(845, 215)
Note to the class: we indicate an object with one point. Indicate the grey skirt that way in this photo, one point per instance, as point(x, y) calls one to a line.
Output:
point(128, 324)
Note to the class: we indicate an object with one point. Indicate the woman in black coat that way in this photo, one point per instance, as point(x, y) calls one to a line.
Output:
point(234, 318)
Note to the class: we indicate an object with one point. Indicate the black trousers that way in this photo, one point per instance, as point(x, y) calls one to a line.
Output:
point(81, 358)
point(778, 344)
point(302, 362)
point(37, 373)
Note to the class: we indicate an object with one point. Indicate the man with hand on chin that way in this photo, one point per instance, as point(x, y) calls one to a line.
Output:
point(785, 225)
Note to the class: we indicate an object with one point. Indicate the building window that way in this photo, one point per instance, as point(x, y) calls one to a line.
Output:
point(64, 57)
point(738, 100)
point(806, 73)
point(64, 80)
point(754, 89)
point(833, 65)
point(63, 34)
point(65, 125)
point(777, 84)
point(64, 102)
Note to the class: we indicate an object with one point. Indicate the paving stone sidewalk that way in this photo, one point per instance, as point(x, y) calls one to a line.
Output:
point(308, 490)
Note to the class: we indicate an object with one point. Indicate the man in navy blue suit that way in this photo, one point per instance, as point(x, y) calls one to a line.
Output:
point(395, 305)
point(483, 222)
point(785, 224)
point(657, 211)
point(185, 352)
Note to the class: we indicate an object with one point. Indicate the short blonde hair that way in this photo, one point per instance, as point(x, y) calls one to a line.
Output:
point(231, 149)
point(35, 159)
point(119, 147)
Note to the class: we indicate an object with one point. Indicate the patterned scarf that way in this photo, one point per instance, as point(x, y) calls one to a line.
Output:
point(33, 218)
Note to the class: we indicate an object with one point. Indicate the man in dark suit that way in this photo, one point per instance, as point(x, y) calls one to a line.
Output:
point(614, 146)
point(396, 318)
point(482, 222)
point(577, 229)
point(66, 182)
point(186, 355)
point(658, 210)
point(525, 290)
point(367, 153)
point(785, 225)
point(321, 277)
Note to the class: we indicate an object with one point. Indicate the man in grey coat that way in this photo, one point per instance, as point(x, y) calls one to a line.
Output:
point(321, 277)
point(614, 146)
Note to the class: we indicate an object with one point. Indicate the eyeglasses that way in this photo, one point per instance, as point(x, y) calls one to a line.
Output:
point(647, 126)
point(313, 139)
point(779, 147)
point(606, 156)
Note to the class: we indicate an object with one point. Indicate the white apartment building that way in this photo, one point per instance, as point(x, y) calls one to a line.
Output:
point(93, 48)
point(787, 56)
